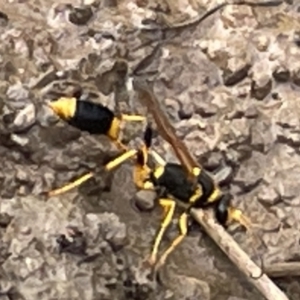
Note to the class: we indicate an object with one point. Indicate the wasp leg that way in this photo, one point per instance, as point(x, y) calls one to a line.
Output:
point(132, 118)
point(114, 133)
point(114, 130)
point(183, 232)
point(236, 215)
point(120, 159)
point(71, 185)
point(226, 214)
point(169, 208)
point(108, 167)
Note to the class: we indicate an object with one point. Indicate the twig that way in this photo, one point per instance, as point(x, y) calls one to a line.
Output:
point(177, 28)
point(264, 285)
point(242, 261)
point(255, 275)
point(197, 20)
point(284, 269)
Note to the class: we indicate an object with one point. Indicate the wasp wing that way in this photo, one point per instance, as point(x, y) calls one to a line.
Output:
point(166, 130)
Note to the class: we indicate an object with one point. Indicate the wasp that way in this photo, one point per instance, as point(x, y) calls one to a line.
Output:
point(96, 119)
point(187, 182)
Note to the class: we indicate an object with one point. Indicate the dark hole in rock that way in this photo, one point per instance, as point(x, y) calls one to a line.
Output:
point(9, 69)
point(108, 35)
point(231, 78)
point(281, 74)
point(44, 67)
point(275, 96)
point(297, 38)
point(109, 3)
point(3, 19)
point(80, 16)
point(8, 119)
point(5, 219)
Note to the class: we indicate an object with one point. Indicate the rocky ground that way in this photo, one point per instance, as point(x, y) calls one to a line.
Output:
point(230, 85)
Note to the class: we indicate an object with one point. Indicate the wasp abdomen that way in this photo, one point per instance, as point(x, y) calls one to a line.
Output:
point(92, 117)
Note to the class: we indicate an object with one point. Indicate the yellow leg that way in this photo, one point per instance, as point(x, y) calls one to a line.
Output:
point(235, 215)
point(108, 167)
point(183, 232)
point(132, 118)
point(169, 208)
point(115, 128)
point(119, 160)
point(71, 185)
point(113, 134)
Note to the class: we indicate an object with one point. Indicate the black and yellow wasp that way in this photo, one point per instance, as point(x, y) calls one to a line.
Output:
point(98, 119)
point(94, 118)
point(186, 182)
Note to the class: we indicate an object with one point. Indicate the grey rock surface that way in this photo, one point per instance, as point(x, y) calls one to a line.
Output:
point(230, 86)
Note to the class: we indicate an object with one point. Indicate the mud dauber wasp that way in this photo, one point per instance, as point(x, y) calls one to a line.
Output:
point(187, 182)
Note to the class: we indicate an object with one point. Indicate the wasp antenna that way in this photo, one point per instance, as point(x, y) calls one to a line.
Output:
point(148, 135)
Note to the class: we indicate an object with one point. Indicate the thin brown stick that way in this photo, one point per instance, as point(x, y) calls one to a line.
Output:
point(284, 269)
point(197, 20)
point(263, 284)
point(242, 261)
